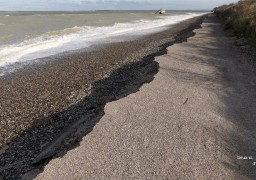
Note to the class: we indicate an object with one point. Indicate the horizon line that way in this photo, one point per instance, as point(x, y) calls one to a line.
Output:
point(104, 10)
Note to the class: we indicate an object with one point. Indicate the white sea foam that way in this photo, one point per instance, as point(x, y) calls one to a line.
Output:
point(53, 43)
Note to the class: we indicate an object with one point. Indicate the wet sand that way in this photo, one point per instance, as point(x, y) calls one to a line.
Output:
point(195, 120)
point(40, 102)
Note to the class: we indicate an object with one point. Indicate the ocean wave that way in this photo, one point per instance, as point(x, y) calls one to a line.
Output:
point(65, 31)
point(55, 42)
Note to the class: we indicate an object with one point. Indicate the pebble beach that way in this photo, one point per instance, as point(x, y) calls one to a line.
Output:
point(41, 100)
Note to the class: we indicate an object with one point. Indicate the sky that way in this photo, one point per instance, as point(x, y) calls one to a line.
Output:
point(83, 5)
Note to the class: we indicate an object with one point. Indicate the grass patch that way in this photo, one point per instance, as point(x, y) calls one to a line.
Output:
point(241, 17)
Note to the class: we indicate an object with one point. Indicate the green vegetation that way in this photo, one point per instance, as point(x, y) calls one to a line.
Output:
point(241, 17)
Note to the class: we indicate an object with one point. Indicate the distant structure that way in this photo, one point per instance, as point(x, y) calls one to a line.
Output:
point(160, 11)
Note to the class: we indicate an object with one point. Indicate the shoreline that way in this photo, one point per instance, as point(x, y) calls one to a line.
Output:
point(40, 93)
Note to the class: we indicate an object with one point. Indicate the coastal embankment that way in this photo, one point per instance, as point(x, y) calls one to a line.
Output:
point(194, 120)
point(241, 19)
point(43, 104)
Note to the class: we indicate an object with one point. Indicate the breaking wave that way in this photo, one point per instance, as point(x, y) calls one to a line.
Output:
point(68, 39)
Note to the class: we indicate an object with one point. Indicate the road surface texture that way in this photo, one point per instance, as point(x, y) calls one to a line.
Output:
point(195, 120)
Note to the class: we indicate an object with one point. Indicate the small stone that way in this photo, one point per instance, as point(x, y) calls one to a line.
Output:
point(3, 149)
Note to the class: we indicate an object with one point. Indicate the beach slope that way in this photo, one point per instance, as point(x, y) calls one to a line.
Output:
point(195, 120)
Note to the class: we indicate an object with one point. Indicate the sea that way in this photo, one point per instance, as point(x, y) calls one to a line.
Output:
point(27, 36)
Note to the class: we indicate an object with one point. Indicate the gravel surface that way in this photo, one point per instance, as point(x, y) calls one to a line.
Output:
point(195, 120)
point(40, 102)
